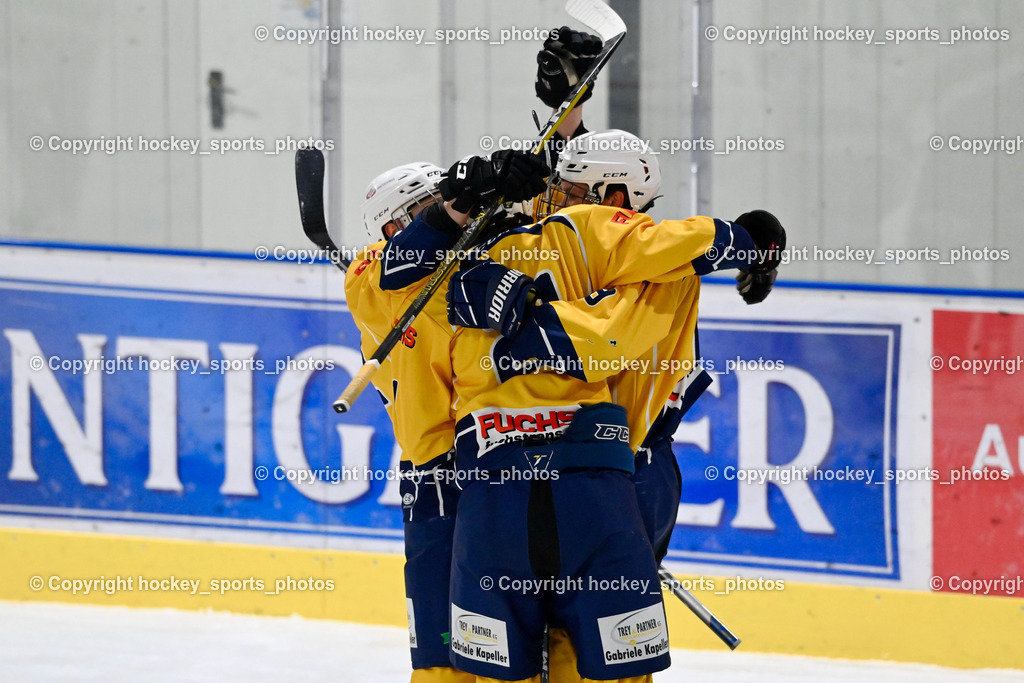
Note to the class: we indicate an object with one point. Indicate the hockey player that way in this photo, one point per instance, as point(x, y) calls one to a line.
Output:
point(412, 381)
point(594, 246)
point(417, 402)
point(392, 201)
point(657, 475)
point(422, 422)
point(390, 229)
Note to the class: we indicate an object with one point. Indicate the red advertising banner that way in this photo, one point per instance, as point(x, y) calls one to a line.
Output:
point(978, 452)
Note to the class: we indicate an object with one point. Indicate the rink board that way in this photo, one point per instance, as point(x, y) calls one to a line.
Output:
point(851, 622)
point(828, 387)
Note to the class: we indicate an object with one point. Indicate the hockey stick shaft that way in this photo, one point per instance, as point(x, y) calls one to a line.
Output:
point(545, 662)
point(437, 279)
point(440, 276)
point(698, 608)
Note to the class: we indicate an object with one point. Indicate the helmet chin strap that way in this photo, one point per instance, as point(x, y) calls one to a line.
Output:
point(643, 209)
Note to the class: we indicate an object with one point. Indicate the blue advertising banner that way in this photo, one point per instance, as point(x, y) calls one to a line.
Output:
point(214, 409)
point(790, 461)
point(189, 408)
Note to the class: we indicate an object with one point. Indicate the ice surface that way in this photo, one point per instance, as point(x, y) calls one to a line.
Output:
point(60, 642)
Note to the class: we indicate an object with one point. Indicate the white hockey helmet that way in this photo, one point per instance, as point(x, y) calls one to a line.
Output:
point(392, 196)
point(600, 160)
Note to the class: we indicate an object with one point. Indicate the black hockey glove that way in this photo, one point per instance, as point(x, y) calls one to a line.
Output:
point(567, 55)
point(473, 181)
point(769, 237)
point(755, 285)
point(484, 294)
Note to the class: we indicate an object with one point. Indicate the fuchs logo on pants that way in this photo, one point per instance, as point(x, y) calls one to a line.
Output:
point(632, 636)
point(475, 636)
point(499, 426)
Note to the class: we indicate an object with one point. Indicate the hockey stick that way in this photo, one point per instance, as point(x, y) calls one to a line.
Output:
point(601, 19)
point(309, 182)
point(698, 608)
point(545, 663)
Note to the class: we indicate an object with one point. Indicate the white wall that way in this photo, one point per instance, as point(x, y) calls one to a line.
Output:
point(855, 120)
point(85, 70)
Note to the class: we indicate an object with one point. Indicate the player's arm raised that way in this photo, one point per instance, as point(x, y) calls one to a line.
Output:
point(469, 184)
point(565, 56)
point(629, 247)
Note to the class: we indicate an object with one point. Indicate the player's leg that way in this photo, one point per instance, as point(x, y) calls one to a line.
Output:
point(562, 657)
point(584, 528)
point(562, 666)
point(497, 615)
point(659, 484)
point(428, 508)
point(615, 614)
point(441, 674)
point(659, 487)
point(554, 679)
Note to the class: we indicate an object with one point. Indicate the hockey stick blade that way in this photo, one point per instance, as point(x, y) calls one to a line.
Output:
point(698, 608)
point(597, 16)
point(309, 183)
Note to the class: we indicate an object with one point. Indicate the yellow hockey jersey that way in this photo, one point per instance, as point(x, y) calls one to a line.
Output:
point(612, 335)
point(415, 380)
point(633, 335)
